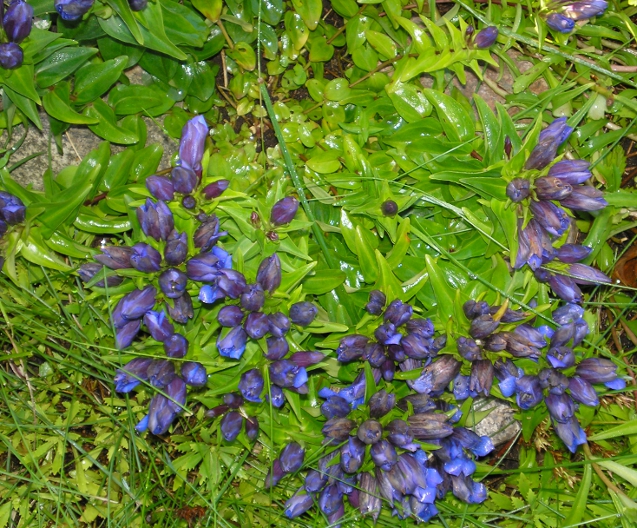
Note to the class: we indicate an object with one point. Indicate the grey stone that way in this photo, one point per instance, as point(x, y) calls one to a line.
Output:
point(500, 424)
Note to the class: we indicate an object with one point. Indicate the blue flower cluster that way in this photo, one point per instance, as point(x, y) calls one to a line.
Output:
point(564, 183)
point(17, 22)
point(563, 16)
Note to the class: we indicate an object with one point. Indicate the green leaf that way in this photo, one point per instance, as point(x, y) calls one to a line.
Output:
point(211, 9)
point(56, 107)
point(323, 281)
point(183, 26)
point(122, 8)
point(310, 11)
point(443, 292)
point(387, 281)
point(491, 130)
point(152, 27)
point(27, 106)
point(456, 122)
point(34, 250)
point(118, 170)
point(107, 127)
point(56, 213)
point(61, 64)
point(381, 43)
point(509, 221)
point(624, 472)
point(93, 80)
point(625, 429)
point(21, 81)
point(409, 101)
point(135, 98)
point(579, 503)
point(366, 257)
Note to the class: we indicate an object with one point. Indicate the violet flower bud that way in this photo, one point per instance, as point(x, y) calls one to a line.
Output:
point(386, 334)
point(552, 218)
point(307, 358)
point(116, 257)
point(421, 327)
point(599, 370)
point(253, 298)
point(269, 273)
point(298, 504)
point(217, 411)
point(529, 392)
point(582, 391)
point(284, 210)
point(581, 331)
point(468, 490)
point(583, 274)
point(176, 346)
point(210, 293)
point(203, 268)
point(17, 21)
point(572, 253)
point(231, 425)
point(161, 373)
point(478, 445)
point(158, 325)
point(559, 22)
point(571, 433)
point(335, 407)
point(90, 269)
point(585, 198)
point(481, 377)
point(161, 188)
point(233, 344)
point(399, 433)
point(352, 455)
point(565, 288)
point(277, 348)
point(442, 372)
point(494, 343)
point(256, 325)
point(315, 480)
point(351, 347)
point(398, 313)
point(192, 144)
point(381, 403)
point(155, 219)
point(338, 429)
point(330, 499)
point(145, 258)
point(429, 426)
point(181, 309)
point(251, 385)
point(125, 334)
point(11, 55)
point(563, 334)
point(173, 282)
point(12, 209)
point(176, 249)
point(369, 500)
point(231, 282)
point(137, 5)
point(376, 302)
point(486, 37)
point(225, 259)
point(137, 303)
point(567, 313)
point(560, 406)
point(276, 396)
point(194, 374)
point(275, 474)
point(230, 316)
point(163, 411)
point(285, 373)
point(561, 357)
point(279, 324)
point(291, 458)
point(473, 309)
point(483, 326)
point(233, 400)
point(375, 354)
point(585, 10)
point(549, 188)
point(383, 455)
point(72, 10)
point(549, 141)
point(468, 349)
point(303, 313)
point(184, 180)
point(208, 233)
point(573, 172)
point(388, 369)
point(553, 380)
point(252, 428)
point(215, 189)
point(389, 208)
point(132, 374)
point(518, 189)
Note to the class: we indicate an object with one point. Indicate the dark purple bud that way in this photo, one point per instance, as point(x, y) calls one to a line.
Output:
point(399, 433)
point(277, 348)
point(376, 302)
point(276, 396)
point(269, 273)
point(481, 377)
point(181, 309)
point(176, 346)
point(518, 189)
point(298, 504)
point(203, 268)
point(381, 403)
point(194, 374)
point(375, 354)
point(583, 274)
point(233, 344)
point(156, 219)
point(573, 172)
point(398, 313)
point(468, 490)
point(231, 425)
point(145, 258)
point(571, 433)
point(292, 457)
point(582, 391)
point(176, 249)
point(352, 455)
point(163, 411)
point(315, 480)
point(184, 180)
point(173, 282)
point(252, 428)
point(563, 334)
point(478, 445)
point(486, 37)
point(468, 349)
point(192, 144)
point(565, 288)
point(597, 370)
point(215, 189)
point(208, 233)
point(17, 21)
point(508, 146)
point(160, 187)
point(251, 385)
point(483, 326)
point(473, 309)
point(217, 411)
point(542, 275)
point(91, 269)
point(507, 373)
point(230, 316)
point(581, 331)
point(253, 298)
point(126, 333)
point(383, 455)
point(330, 499)
point(550, 188)
point(442, 372)
point(416, 346)
point(307, 358)
point(524, 249)
point(137, 303)
point(396, 353)
point(338, 429)
point(388, 369)
point(567, 313)
point(561, 357)
point(303, 313)
point(389, 208)
point(73, 9)
point(351, 347)
point(559, 22)
point(284, 210)
point(429, 426)
point(549, 141)
point(585, 198)
point(421, 403)
point(552, 218)
point(233, 400)
point(369, 499)
point(116, 257)
point(11, 55)
point(585, 10)
point(132, 374)
point(279, 324)
point(256, 325)
point(137, 5)
point(572, 253)
point(158, 325)
point(285, 373)
point(188, 202)
point(231, 282)
point(386, 334)
point(275, 474)
point(560, 406)
point(421, 327)
point(335, 407)
point(495, 342)
point(161, 373)
point(529, 392)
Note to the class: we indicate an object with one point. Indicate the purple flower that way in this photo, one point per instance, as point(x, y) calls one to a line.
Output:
point(137, 303)
point(351, 347)
point(277, 348)
point(583, 392)
point(429, 426)
point(567, 313)
point(208, 233)
point(176, 249)
point(173, 282)
point(565, 288)
point(600, 370)
point(583, 274)
point(486, 38)
point(352, 455)
point(176, 346)
point(11, 55)
point(572, 253)
point(256, 325)
point(231, 425)
point(561, 357)
point(369, 500)
point(291, 458)
point(298, 504)
point(145, 258)
point(137, 5)
point(468, 349)
point(552, 218)
point(233, 344)
point(253, 298)
point(91, 269)
point(251, 385)
point(307, 358)
point(585, 198)
point(585, 10)
point(116, 257)
point(158, 325)
point(381, 403)
point(132, 374)
point(155, 219)
point(507, 374)
point(17, 21)
point(164, 410)
point(276, 396)
point(285, 373)
point(549, 188)
point(571, 433)
point(275, 474)
point(73, 9)
point(125, 334)
point(399, 433)
point(398, 313)
point(518, 189)
point(208, 294)
point(338, 429)
point(572, 172)
point(215, 189)
point(194, 374)
point(560, 406)
point(559, 22)
point(483, 326)
point(335, 406)
point(376, 302)
point(269, 273)
point(481, 377)
point(203, 268)
point(303, 313)
point(161, 373)
point(284, 211)
point(184, 180)
point(330, 499)
point(252, 428)
point(383, 454)
point(549, 141)
point(529, 392)
point(161, 187)
point(230, 316)
point(279, 324)
point(192, 144)
point(181, 309)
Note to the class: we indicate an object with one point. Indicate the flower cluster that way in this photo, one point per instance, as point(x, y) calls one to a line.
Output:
point(12, 211)
point(563, 183)
point(17, 23)
point(73, 10)
point(563, 16)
